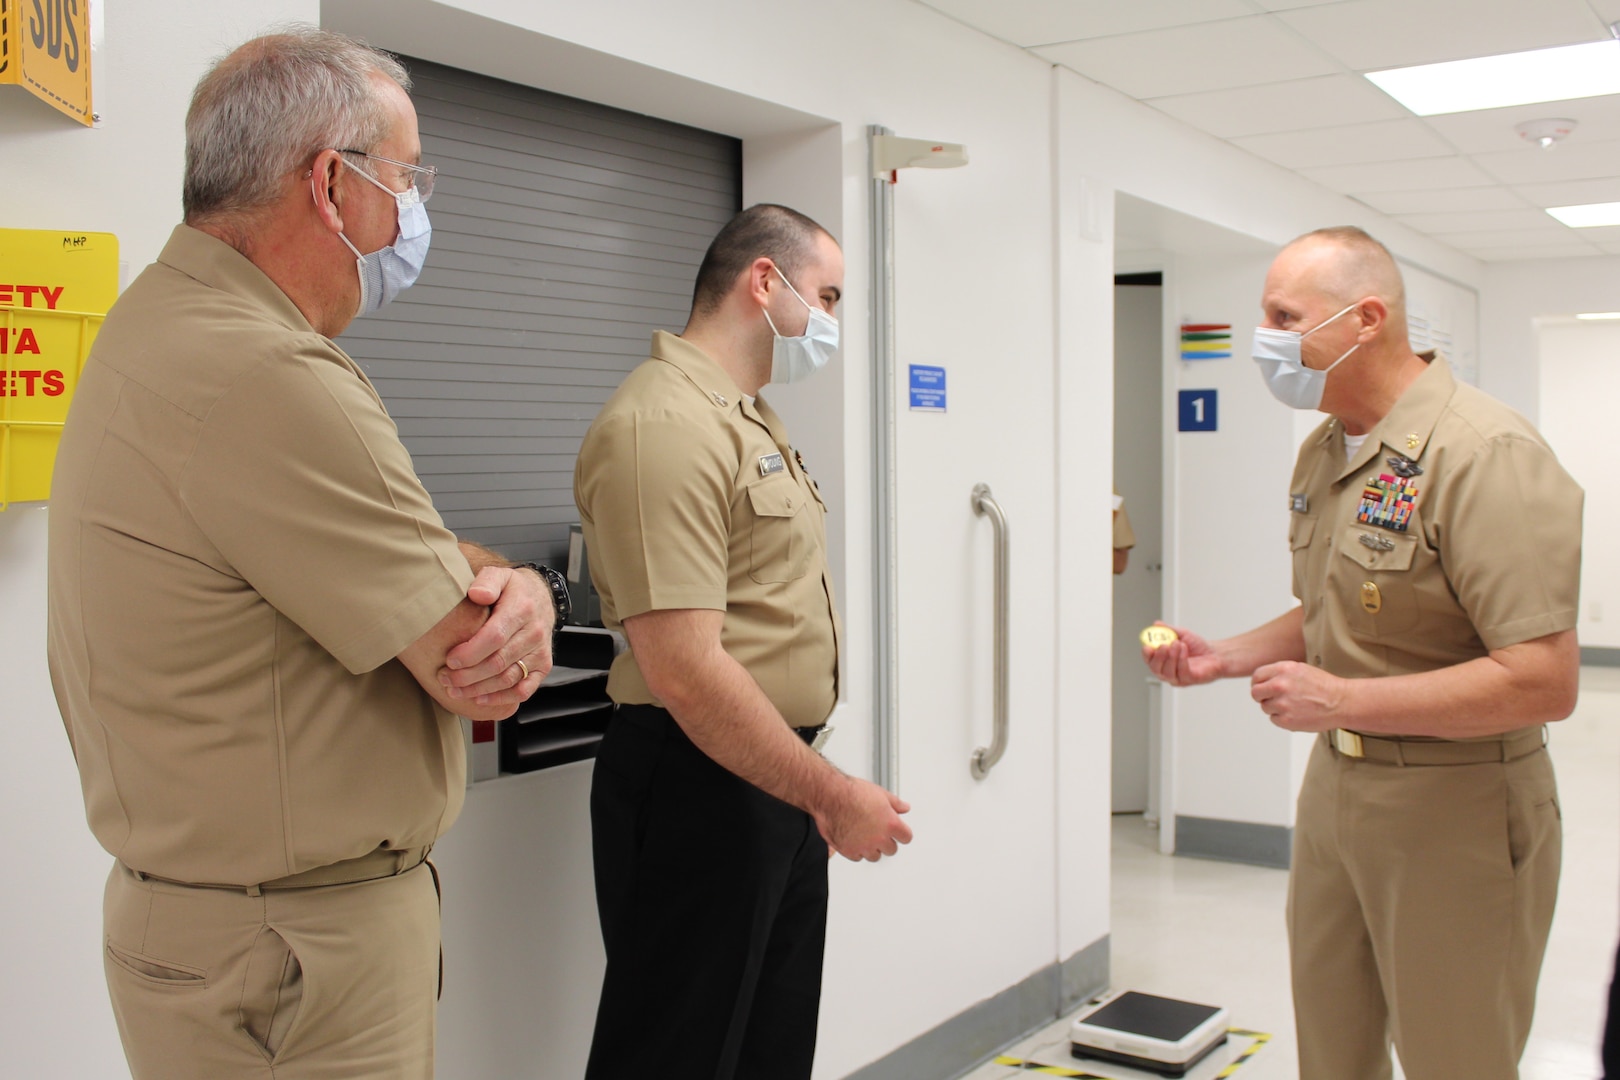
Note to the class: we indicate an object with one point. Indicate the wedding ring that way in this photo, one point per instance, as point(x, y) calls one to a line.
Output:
point(523, 668)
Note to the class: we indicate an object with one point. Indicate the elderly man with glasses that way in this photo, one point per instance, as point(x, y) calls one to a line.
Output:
point(260, 629)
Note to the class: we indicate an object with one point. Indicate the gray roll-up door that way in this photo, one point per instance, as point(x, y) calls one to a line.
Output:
point(564, 234)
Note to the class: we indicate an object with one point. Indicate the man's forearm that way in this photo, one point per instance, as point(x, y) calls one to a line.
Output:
point(478, 556)
point(727, 716)
point(1283, 638)
point(1521, 686)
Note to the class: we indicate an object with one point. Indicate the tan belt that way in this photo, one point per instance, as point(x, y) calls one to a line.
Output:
point(381, 863)
point(1509, 747)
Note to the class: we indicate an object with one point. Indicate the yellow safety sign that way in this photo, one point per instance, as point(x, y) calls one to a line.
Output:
point(55, 290)
point(45, 48)
point(1025, 1065)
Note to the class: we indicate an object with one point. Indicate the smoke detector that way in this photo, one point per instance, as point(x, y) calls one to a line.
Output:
point(1545, 132)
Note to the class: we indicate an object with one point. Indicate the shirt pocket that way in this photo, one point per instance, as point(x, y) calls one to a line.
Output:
point(780, 539)
point(1374, 580)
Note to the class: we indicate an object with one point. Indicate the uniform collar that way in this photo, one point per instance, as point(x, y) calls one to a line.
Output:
point(1406, 428)
point(701, 371)
point(712, 382)
point(219, 266)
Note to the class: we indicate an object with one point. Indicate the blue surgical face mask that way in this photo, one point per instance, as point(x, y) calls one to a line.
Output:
point(795, 358)
point(1289, 380)
point(389, 271)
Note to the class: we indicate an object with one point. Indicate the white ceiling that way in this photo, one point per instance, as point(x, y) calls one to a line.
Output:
point(1282, 79)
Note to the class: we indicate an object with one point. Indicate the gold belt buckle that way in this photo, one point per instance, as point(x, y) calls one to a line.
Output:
point(1347, 743)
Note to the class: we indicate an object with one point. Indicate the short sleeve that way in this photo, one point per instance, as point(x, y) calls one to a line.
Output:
point(1509, 530)
point(656, 489)
point(300, 480)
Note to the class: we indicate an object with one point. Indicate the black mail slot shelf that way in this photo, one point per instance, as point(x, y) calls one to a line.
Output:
point(565, 719)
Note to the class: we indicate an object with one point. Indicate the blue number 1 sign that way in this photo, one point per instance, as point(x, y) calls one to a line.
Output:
point(1197, 410)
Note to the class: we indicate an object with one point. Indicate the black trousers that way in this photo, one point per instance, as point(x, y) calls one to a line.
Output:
point(1611, 1033)
point(713, 901)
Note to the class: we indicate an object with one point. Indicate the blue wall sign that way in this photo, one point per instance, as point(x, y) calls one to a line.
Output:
point(1196, 410)
point(927, 388)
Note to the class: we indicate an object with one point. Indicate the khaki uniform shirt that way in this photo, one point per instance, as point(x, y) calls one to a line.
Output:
point(691, 497)
point(238, 549)
point(1479, 550)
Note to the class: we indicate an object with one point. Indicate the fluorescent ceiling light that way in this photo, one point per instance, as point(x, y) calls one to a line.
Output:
point(1589, 216)
point(1599, 315)
point(1495, 82)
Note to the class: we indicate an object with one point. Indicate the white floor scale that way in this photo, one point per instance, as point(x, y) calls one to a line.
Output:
point(1157, 1034)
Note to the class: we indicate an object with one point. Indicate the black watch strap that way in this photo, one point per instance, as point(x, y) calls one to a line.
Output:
point(559, 590)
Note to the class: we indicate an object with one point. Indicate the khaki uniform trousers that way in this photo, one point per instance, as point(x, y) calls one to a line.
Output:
point(1419, 905)
point(331, 983)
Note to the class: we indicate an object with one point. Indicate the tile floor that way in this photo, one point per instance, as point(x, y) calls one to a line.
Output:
point(1213, 932)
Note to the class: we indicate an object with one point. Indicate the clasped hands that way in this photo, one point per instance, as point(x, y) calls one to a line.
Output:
point(504, 662)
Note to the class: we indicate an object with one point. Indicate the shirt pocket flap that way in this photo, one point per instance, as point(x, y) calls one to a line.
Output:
point(777, 498)
point(1300, 531)
point(1382, 550)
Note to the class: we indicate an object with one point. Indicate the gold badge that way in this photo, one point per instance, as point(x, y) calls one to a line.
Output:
point(1412, 440)
point(1371, 599)
point(1156, 637)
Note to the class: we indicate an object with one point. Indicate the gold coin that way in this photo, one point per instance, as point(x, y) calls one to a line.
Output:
point(1156, 637)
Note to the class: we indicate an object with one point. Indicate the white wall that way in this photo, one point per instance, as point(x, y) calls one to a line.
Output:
point(1580, 384)
point(1513, 296)
point(121, 177)
point(1232, 566)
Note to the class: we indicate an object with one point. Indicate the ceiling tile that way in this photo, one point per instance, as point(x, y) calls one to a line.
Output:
point(1416, 175)
point(1571, 161)
point(1285, 106)
point(1385, 140)
point(1572, 192)
point(1476, 221)
point(1441, 200)
point(1190, 59)
point(1490, 130)
point(1603, 234)
point(1552, 235)
point(1527, 251)
point(1610, 249)
point(1041, 22)
point(1517, 238)
point(1368, 35)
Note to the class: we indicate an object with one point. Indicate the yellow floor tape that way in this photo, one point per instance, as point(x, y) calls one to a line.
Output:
point(1260, 1039)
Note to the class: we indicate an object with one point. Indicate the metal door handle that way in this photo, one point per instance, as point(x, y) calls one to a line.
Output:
point(985, 757)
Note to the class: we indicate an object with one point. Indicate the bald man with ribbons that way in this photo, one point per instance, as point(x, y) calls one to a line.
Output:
point(1436, 546)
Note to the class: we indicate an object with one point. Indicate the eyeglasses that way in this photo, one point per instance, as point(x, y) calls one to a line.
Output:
point(419, 177)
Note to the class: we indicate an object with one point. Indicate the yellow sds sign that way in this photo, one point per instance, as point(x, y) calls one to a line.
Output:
point(45, 48)
point(55, 290)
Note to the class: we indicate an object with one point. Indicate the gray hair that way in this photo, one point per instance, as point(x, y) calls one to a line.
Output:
point(267, 108)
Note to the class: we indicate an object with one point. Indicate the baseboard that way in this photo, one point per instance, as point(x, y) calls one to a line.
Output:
point(1599, 656)
point(961, 1043)
point(1234, 841)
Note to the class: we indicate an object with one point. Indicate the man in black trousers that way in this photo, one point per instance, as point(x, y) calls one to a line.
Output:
point(713, 814)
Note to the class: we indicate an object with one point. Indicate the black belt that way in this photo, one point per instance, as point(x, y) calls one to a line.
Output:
point(814, 737)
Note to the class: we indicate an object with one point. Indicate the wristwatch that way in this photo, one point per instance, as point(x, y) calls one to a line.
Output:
point(559, 591)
